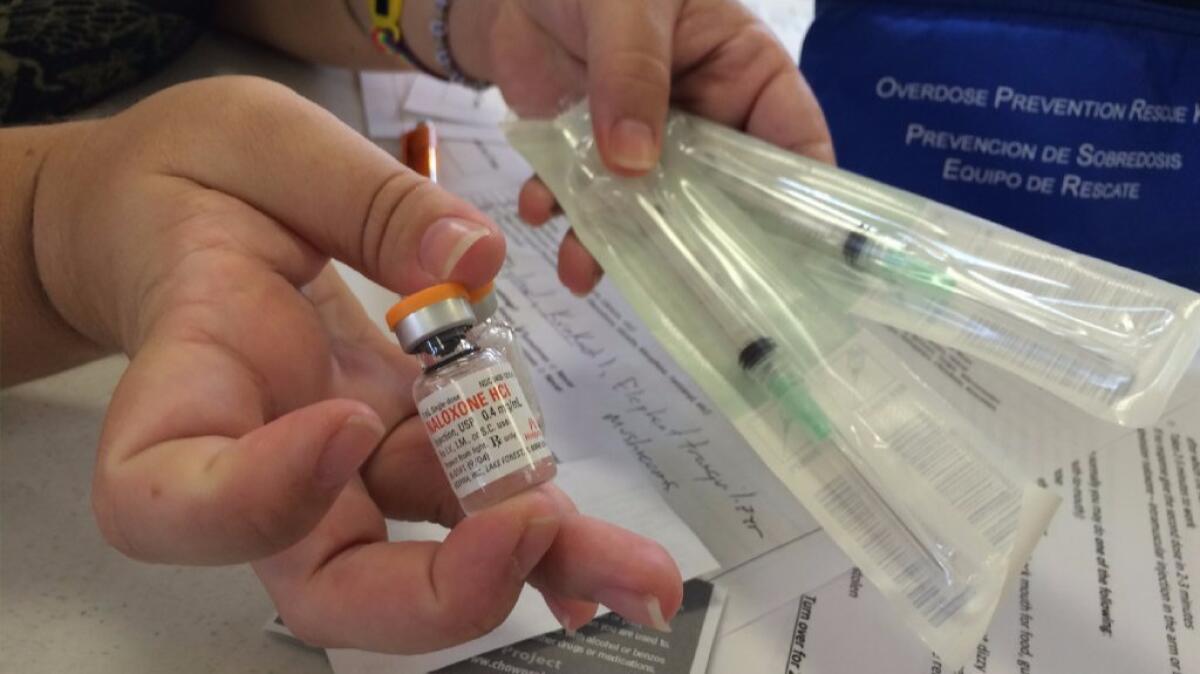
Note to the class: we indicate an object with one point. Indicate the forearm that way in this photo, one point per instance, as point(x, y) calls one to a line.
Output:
point(335, 32)
point(34, 339)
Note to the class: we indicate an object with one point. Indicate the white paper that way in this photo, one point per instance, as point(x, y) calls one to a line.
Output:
point(601, 487)
point(484, 134)
point(454, 102)
point(385, 97)
point(1034, 430)
point(1101, 594)
point(777, 578)
point(465, 166)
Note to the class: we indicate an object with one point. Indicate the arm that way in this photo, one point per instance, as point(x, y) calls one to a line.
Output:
point(34, 339)
point(336, 32)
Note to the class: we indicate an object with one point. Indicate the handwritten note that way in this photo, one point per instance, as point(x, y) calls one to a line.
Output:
point(606, 386)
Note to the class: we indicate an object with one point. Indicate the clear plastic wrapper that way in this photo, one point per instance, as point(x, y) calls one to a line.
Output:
point(907, 488)
point(1111, 341)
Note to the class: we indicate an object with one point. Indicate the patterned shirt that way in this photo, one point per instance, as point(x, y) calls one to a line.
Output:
point(57, 56)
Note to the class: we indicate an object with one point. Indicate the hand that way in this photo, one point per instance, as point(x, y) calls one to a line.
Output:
point(633, 58)
point(195, 231)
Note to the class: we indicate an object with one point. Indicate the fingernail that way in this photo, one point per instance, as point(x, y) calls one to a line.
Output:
point(633, 145)
point(643, 609)
point(347, 449)
point(561, 614)
point(446, 242)
point(534, 543)
point(597, 275)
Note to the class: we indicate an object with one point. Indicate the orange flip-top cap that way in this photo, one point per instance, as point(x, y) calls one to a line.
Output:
point(423, 298)
point(481, 292)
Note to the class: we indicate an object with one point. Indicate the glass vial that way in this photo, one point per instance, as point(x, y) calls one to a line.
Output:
point(470, 400)
point(492, 331)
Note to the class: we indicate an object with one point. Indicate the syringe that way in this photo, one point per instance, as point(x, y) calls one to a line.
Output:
point(713, 266)
point(962, 314)
point(712, 281)
point(857, 243)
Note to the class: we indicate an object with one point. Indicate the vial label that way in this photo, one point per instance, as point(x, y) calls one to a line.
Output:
point(482, 428)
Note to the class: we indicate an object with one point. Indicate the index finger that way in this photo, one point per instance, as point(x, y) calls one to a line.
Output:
point(290, 159)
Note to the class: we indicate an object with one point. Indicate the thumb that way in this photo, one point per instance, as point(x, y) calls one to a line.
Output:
point(217, 500)
point(629, 79)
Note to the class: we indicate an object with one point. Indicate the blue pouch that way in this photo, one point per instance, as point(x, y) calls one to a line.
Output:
point(1075, 121)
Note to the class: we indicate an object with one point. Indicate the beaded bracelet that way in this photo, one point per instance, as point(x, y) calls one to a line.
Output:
point(388, 35)
point(386, 32)
point(440, 28)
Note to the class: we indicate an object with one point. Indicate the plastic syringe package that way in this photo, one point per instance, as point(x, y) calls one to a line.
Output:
point(914, 494)
point(1109, 340)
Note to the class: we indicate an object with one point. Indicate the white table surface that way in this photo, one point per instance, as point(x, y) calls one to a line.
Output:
point(68, 602)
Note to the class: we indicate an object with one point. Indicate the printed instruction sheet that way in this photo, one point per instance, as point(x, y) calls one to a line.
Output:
point(1108, 590)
